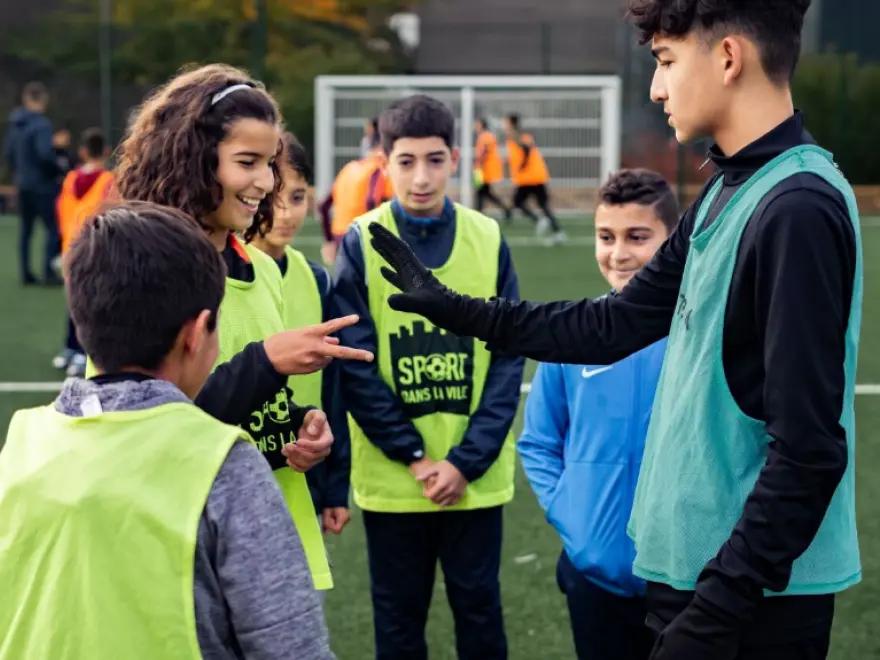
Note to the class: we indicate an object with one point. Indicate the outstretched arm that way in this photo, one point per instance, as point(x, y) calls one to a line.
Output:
point(598, 331)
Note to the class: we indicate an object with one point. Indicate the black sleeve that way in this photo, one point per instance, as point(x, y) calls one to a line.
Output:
point(374, 406)
point(337, 466)
point(598, 331)
point(489, 425)
point(805, 260)
point(238, 387)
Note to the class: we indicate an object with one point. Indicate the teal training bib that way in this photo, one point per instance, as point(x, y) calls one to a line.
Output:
point(703, 453)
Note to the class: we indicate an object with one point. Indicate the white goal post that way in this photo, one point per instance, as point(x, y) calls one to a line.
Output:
point(575, 121)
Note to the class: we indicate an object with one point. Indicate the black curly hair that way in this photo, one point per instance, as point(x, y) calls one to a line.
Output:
point(774, 25)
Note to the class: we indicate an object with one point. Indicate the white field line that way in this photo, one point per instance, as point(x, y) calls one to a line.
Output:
point(867, 389)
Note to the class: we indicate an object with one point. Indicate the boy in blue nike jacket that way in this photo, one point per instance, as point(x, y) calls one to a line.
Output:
point(584, 436)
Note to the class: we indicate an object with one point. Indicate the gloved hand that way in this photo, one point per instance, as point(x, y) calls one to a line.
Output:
point(422, 293)
point(701, 632)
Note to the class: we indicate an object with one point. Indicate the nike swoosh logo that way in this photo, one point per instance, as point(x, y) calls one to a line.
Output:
point(586, 373)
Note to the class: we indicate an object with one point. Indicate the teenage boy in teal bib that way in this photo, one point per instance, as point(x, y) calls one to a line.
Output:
point(744, 514)
point(431, 454)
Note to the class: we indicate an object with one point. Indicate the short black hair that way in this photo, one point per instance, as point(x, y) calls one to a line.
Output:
point(35, 91)
point(514, 119)
point(92, 140)
point(418, 116)
point(296, 156)
point(774, 25)
point(645, 187)
point(136, 274)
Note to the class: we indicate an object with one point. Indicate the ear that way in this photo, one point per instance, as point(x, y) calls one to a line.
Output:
point(455, 157)
point(195, 332)
point(732, 50)
point(383, 162)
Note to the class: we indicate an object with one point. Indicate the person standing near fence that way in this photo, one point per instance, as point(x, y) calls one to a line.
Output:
point(30, 155)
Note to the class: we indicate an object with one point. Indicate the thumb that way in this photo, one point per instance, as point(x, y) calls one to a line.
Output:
point(404, 302)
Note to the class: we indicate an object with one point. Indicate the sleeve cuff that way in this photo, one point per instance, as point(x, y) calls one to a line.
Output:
point(467, 469)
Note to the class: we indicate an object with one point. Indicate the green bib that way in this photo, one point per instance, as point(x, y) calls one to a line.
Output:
point(703, 454)
point(302, 307)
point(100, 518)
point(437, 376)
point(252, 311)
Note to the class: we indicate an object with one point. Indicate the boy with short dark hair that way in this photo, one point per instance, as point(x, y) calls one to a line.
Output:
point(432, 460)
point(584, 436)
point(744, 516)
point(134, 524)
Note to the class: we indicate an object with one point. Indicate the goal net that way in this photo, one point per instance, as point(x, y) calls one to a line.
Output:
point(575, 121)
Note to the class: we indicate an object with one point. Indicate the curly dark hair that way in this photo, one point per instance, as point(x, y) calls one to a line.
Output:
point(774, 25)
point(169, 154)
point(645, 187)
point(296, 156)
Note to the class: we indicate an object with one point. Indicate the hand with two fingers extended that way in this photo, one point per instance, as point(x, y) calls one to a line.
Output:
point(311, 348)
point(313, 442)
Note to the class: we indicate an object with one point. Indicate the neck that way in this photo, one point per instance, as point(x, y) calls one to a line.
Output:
point(218, 238)
point(92, 165)
point(752, 116)
point(274, 251)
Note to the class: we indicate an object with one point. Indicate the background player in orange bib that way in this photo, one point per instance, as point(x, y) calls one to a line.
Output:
point(488, 169)
point(530, 177)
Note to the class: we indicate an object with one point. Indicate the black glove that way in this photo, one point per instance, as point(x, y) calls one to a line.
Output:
point(701, 632)
point(422, 292)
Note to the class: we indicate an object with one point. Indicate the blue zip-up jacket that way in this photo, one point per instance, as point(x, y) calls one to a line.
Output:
point(581, 447)
point(368, 398)
point(29, 152)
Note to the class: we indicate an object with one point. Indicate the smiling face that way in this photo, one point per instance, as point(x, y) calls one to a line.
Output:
point(627, 236)
point(419, 169)
point(291, 207)
point(244, 172)
point(689, 82)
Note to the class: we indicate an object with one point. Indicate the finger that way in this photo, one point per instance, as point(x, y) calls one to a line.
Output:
point(335, 325)
point(331, 340)
point(346, 353)
point(427, 474)
point(392, 277)
point(403, 302)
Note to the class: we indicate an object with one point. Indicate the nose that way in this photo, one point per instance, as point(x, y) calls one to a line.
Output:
point(619, 253)
point(658, 87)
point(265, 179)
point(420, 174)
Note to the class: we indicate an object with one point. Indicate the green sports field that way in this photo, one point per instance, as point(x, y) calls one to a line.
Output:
point(31, 329)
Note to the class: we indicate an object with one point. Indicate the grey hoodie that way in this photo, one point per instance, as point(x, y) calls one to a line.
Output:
point(248, 604)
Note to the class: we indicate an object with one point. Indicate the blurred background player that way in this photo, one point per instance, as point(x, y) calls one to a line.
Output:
point(371, 132)
point(432, 459)
point(359, 187)
point(30, 155)
point(308, 294)
point(82, 193)
point(488, 170)
point(530, 178)
point(584, 436)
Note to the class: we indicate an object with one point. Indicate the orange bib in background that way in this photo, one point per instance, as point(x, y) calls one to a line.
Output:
point(535, 171)
point(351, 192)
point(73, 211)
point(490, 164)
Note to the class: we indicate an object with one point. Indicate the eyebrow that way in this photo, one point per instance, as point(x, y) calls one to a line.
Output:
point(429, 154)
point(252, 154)
point(656, 51)
point(644, 228)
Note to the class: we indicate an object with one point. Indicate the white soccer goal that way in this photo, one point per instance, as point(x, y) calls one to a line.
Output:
point(575, 121)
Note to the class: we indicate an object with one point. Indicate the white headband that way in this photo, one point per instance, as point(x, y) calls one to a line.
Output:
point(222, 94)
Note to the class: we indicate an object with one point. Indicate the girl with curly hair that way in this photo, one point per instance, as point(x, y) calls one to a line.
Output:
point(206, 143)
